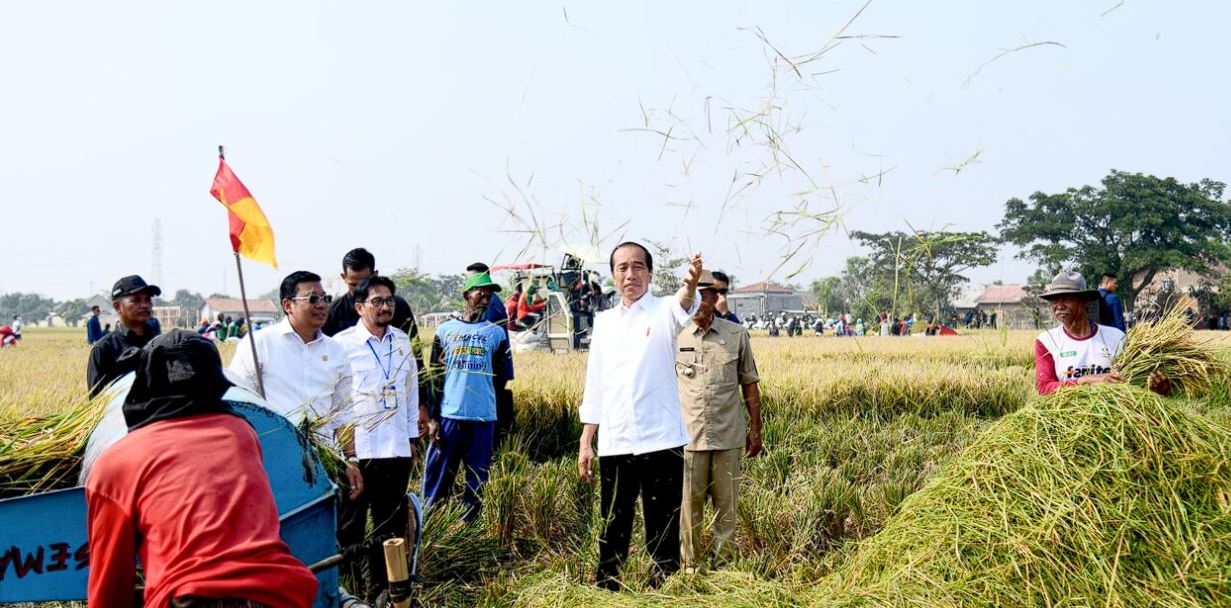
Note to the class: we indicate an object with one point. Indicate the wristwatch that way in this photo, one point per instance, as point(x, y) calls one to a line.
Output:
point(352, 459)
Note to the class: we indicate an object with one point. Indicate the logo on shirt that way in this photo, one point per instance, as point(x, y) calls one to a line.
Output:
point(1073, 373)
point(1069, 353)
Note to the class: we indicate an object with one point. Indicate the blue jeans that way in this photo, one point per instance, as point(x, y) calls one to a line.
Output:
point(466, 442)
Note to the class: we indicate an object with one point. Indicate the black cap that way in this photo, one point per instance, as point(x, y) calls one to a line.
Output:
point(131, 284)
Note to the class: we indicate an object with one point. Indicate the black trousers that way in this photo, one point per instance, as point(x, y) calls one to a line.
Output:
point(505, 416)
point(658, 478)
point(385, 483)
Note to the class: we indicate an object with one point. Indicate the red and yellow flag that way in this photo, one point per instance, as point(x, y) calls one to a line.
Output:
point(251, 234)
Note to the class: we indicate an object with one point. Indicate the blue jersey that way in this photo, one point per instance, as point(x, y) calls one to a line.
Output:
point(473, 360)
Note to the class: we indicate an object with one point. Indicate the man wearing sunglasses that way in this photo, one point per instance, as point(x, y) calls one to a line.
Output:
point(306, 374)
point(722, 310)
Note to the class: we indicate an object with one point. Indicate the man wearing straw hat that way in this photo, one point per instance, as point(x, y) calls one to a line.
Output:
point(632, 405)
point(1078, 351)
point(185, 491)
point(133, 300)
point(717, 379)
point(468, 370)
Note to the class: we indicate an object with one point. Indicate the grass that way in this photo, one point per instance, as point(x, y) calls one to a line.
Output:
point(858, 432)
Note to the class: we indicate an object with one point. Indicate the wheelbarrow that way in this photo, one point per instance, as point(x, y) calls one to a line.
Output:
point(44, 554)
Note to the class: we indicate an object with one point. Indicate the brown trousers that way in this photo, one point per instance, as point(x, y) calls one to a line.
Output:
point(713, 474)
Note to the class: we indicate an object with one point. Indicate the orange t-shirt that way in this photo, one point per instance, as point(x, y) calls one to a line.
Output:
point(191, 498)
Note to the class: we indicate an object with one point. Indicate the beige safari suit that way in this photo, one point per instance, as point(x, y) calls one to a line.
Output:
point(710, 367)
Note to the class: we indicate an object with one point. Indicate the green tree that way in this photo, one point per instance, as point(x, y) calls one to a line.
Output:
point(72, 310)
point(426, 293)
point(188, 299)
point(668, 269)
point(31, 306)
point(828, 292)
point(1134, 225)
point(927, 265)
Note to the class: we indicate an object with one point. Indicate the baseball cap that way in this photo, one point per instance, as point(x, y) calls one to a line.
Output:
point(132, 284)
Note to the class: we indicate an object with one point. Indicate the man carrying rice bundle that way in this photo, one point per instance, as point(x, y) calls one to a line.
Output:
point(1078, 351)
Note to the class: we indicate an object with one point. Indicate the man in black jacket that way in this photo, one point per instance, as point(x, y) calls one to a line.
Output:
point(133, 300)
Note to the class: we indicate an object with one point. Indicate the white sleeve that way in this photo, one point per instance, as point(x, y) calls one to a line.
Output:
point(241, 364)
point(678, 313)
point(591, 410)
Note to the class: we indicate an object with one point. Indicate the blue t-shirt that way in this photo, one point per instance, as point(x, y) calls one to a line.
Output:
point(473, 359)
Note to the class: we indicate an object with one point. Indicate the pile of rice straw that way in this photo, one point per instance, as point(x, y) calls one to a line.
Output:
point(1170, 347)
point(1103, 495)
point(41, 454)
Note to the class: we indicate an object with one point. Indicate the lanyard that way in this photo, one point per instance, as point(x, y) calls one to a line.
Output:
point(386, 369)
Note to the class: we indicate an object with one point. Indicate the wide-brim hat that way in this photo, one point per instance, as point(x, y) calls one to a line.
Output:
point(1068, 284)
point(132, 284)
point(480, 279)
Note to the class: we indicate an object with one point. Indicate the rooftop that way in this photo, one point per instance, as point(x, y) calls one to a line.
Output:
point(762, 287)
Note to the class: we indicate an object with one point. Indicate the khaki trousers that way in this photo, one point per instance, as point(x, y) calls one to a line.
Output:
point(715, 474)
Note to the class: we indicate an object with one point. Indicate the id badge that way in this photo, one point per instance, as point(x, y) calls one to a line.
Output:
point(389, 397)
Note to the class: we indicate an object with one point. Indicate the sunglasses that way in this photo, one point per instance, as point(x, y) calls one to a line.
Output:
point(721, 292)
point(314, 299)
point(379, 302)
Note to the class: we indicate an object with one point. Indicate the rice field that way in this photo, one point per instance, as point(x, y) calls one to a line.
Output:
point(857, 430)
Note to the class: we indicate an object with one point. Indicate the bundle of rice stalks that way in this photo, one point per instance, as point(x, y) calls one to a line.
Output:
point(44, 453)
point(1169, 347)
point(1104, 495)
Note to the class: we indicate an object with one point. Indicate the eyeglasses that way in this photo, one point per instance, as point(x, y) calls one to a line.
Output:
point(314, 299)
point(379, 302)
point(721, 292)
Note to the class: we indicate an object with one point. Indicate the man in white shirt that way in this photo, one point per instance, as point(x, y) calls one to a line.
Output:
point(16, 325)
point(384, 416)
point(631, 396)
point(306, 374)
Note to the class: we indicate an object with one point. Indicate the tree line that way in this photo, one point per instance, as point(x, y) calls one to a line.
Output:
point(1133, 225)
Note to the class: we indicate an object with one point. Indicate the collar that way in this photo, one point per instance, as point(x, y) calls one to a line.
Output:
point(125, 333)
point(284, 328)
point(368, 336)
point(635, 306)
point(695, 329)
point(1093, 332)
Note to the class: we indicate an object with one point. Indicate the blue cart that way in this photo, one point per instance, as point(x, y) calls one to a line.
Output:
point(44, 555)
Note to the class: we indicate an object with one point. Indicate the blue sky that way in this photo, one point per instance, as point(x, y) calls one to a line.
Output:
point(395, 127)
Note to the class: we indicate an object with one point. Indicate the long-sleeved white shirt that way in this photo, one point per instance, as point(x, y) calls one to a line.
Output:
point(630, 377)
point(302, 379)
point(384, 391)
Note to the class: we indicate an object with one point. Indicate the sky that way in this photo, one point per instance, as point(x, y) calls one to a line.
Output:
point(441, 134)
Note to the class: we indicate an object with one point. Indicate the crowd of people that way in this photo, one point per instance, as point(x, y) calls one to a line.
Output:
point(670, 407)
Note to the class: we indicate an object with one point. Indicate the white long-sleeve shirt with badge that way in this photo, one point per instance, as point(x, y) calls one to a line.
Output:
point(631, 389)
point(384, 396)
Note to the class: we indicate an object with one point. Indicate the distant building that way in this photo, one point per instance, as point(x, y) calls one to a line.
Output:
point(106, 311)
point(1015, 308)
point(263, 311)
point(170, 317)
point(763, 300)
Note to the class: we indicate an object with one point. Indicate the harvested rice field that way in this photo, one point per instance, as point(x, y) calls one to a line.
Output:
point(900, 471)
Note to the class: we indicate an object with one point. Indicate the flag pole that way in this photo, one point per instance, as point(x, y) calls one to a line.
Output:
point(243, 297)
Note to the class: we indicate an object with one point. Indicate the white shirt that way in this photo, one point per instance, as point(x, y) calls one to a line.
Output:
point(630, 377)
point(1077, 357)
point(384, 391)
point(16, 326)
point(302, 379)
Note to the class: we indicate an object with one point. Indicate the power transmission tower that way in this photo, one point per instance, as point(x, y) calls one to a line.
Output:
point(156, 253)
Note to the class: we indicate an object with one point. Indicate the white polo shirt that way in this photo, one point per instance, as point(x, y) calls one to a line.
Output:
point(630, 377)
point(302, 379)
point(384, 391)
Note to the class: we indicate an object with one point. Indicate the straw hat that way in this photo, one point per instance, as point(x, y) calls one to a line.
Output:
point(1070, 284)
